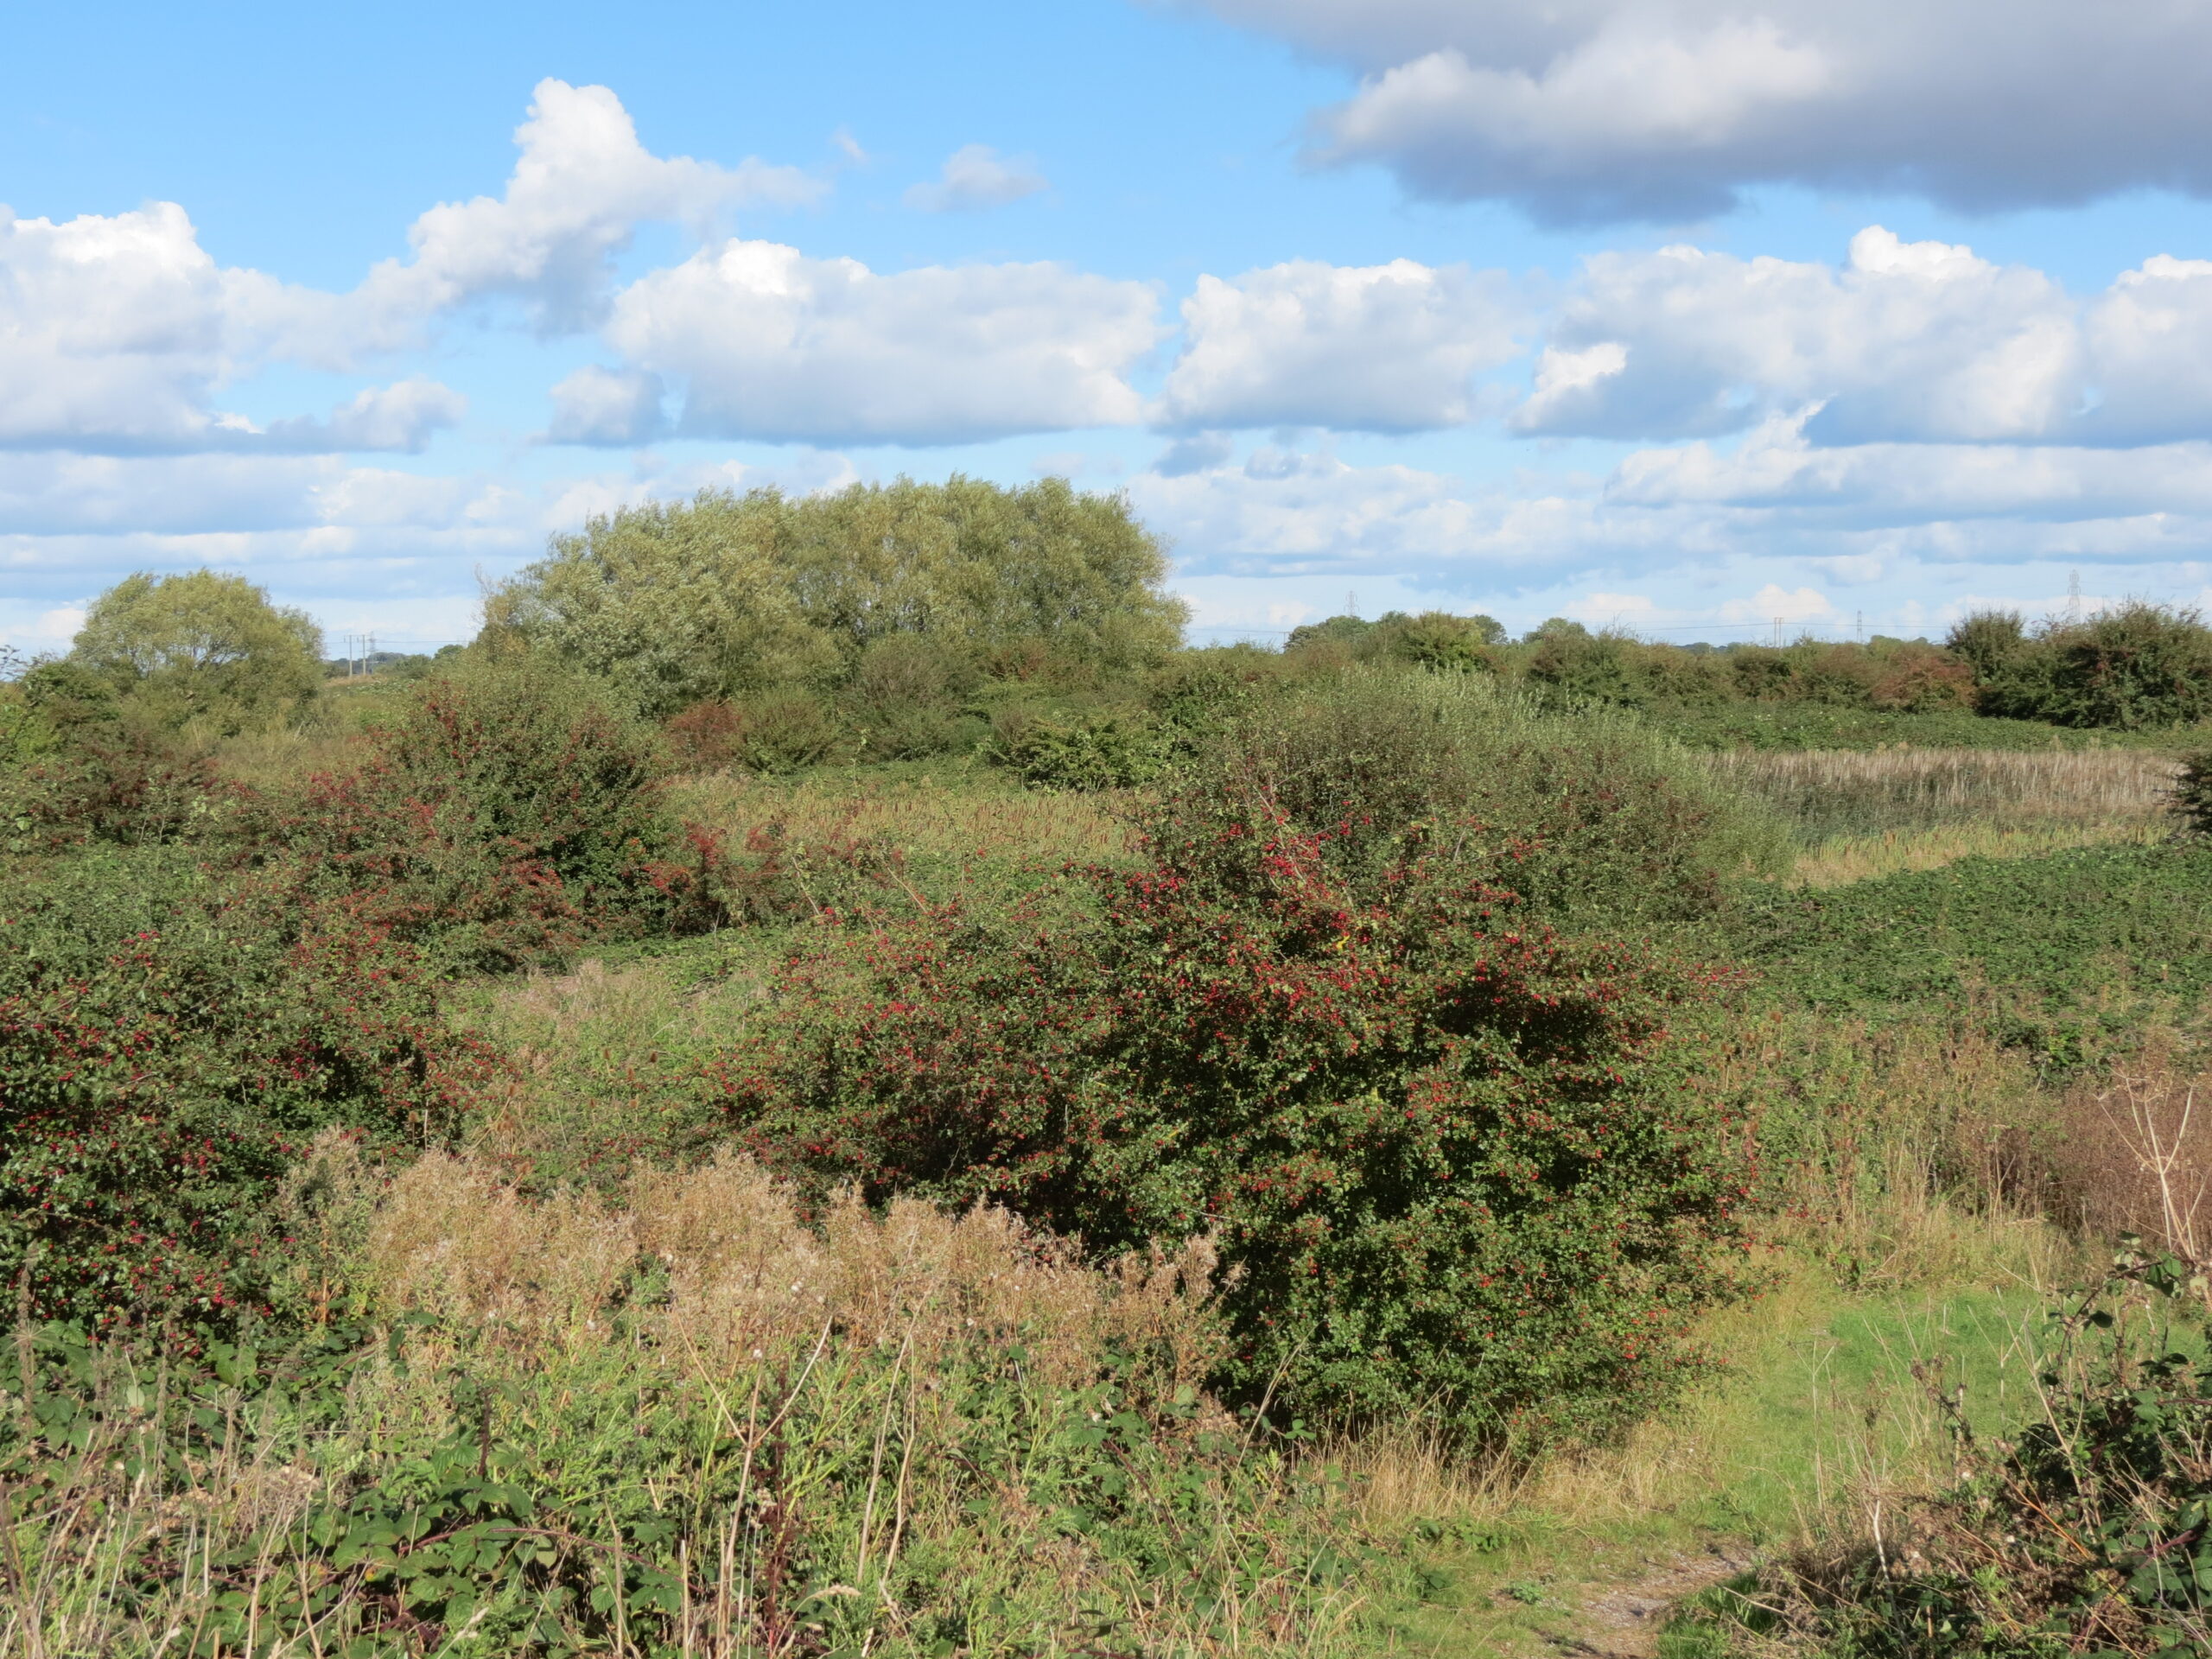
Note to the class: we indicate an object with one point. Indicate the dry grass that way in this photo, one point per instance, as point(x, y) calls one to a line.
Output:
point(1864, 814)
point(960, 817)
point(2135, 1156)
point(2092, 785)
point(1862, 858)
point(273, 761)
point(748, 1281)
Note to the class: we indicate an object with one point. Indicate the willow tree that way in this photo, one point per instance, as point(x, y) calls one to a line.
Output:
point(201, 648)
point(730, 594)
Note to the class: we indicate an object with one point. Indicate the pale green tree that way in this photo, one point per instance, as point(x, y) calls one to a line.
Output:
point(672, 601)
point(202, 649)
point(729, 594)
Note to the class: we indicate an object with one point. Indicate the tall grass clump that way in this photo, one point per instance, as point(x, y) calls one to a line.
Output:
point(1828, 794)
point(1377, 1011)
point(680, 1420)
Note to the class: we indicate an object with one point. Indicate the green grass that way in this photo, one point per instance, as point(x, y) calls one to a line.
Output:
point(1817, 1412)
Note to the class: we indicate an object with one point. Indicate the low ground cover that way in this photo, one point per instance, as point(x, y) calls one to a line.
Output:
point(2094, 934)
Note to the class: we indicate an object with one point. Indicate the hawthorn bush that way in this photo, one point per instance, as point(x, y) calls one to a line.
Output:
point(1446, 1148)
point(508, 814)
point(169, 1041)
point(1611, 826)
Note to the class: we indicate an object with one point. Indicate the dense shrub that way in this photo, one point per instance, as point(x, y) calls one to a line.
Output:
point(507, 813)
point(2136, 667)
point(1985, 641)
point(1616, 828)
point(168, 1041)
point(1102, 752)
point(1440, 1144)
point(112, 780)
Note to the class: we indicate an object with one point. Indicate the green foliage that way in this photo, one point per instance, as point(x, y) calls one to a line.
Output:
point(1432, 639)
point(1987, 641)
point(203, 648)
point(2138, 667)
point(726, 596)
point(56, 704)
point(1618, 829)
point(1103, 753)
point(910, 696)
point(1445, 1147)
point(168, 1041)
point(509, 812)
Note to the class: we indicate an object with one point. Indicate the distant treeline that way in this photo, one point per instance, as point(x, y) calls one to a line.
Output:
point(2138, 667)
point(1033, 626)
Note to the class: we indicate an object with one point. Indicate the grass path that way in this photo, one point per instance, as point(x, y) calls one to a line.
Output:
point(1817, 1411)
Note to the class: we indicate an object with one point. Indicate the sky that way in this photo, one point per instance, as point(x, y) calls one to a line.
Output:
point(1699, 319)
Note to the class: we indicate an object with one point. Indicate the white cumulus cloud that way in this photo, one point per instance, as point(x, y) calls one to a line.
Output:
point(1387, 348)
point(1905, 340)
point(116, 331)
point(581, 186)
point(775, 346)
point(119, 334)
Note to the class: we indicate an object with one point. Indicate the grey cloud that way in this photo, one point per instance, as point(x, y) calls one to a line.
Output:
point(1201, 451)
point(976, 176)
point(1600, 110)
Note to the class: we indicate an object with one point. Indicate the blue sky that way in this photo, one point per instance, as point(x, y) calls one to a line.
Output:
point(1679, 318)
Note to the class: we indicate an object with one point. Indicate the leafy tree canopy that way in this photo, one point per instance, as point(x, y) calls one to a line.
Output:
point(201, 648)
point(729, 595)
